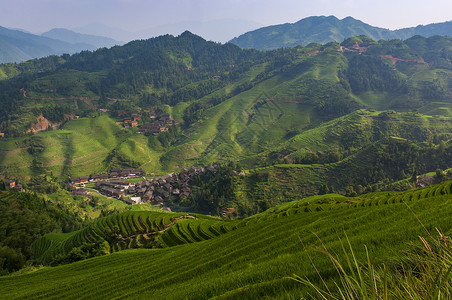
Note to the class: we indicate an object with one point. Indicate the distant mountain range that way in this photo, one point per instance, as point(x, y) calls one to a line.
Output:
point(216, 30)
point(322, 29)
point(70, 36)
point(18, 46)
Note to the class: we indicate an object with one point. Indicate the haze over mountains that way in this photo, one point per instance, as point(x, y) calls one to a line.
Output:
point(17, 45)
point(70, 36)
point(324, 29)
point(221, 30)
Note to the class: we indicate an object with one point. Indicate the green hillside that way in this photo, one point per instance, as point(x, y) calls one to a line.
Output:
point(325, 106)
point(252, 261)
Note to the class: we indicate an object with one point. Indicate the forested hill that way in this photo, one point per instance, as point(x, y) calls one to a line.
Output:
point(329, 29)
point(316, 104)
point(164, 67)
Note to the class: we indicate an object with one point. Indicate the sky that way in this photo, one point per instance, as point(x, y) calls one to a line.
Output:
point(140, 15)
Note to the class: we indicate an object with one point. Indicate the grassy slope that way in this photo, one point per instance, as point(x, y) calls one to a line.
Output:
point(80, 148)
point(251, 261)
point(359, 127)
point(236, 129)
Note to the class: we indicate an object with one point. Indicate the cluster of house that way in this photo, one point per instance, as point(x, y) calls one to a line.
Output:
point(130, 118)
point(156, 190)
point(114, 174)
point(173, 185)
point(159, 123)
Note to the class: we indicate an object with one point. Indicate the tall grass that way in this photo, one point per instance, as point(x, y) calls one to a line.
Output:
point(424, 271)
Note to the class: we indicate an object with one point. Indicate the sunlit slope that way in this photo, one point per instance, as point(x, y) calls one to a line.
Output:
point(254, 260)
point(363, 127)
point(82, 147)
point(261, 117)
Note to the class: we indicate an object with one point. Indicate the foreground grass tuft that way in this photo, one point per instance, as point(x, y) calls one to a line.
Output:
point(423, 272)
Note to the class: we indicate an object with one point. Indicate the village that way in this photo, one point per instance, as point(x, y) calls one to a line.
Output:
point(159, 122)
point(156, 190)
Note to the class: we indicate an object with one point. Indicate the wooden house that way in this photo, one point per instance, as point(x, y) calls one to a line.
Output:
point(10, 183)
point(84, 179)
point(136, 172)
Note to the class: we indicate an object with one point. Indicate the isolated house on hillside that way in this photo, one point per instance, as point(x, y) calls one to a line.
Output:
point(10, 183)
point(2, 134)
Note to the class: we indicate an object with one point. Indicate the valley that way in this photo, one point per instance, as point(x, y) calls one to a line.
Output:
point(243, 163)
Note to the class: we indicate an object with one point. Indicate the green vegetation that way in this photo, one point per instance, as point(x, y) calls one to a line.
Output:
point(25, 218)
point(424, 272)
point(302, 140)
point(301, 105)
point(131, 230)
point(256, 259)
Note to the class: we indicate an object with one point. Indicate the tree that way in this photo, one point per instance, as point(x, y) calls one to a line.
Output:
point(439, 175)
point(324, 190)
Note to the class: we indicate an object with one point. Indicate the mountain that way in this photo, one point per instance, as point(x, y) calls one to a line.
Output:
point(322, 29)
point(17, 46)
point(209, 30)
point(72, 37)
point(320, 105)
point(444, 29)
point(261, 156)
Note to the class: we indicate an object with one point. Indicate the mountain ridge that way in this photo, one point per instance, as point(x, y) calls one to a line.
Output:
point(71, 36)
point(20, 46)
point(324, 29)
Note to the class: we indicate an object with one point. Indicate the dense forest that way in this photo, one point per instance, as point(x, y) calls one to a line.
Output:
point(25, 218)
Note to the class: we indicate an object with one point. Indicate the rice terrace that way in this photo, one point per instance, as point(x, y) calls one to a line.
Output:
point(216, 155)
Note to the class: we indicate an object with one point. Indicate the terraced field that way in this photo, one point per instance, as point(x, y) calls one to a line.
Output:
point(82, 147)
point(252, 261)
point(140, 229)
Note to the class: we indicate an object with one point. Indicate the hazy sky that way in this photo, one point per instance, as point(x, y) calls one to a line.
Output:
point(135, 15)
